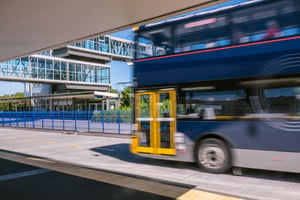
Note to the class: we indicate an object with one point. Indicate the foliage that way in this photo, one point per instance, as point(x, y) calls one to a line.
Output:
point(112, 116)
point(114, 91)
point(126, 101)
point(165, 107)
point(126, 108)
point(14, 106)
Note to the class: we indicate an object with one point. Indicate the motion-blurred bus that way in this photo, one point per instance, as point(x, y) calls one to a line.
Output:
point(221, 87)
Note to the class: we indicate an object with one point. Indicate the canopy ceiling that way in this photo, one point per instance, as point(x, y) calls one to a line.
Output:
point(33, 26)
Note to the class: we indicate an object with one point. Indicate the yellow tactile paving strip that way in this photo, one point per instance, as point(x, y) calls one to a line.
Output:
point(154, 187)
point(201, 195)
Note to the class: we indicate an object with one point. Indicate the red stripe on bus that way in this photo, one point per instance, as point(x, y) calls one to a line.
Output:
point(217, 49)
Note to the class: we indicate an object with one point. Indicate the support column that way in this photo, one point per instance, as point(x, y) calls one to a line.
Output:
point(107, 104)
point(103, 108)
point(51, 104)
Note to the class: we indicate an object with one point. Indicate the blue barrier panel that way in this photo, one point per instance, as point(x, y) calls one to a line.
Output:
point(42, 117)
point(87, 120)
point(9, 118)
point(33, 119)
point(102, 121)
point(16, 119)
point(52, 120)
point(2, 119)
point(25, 120)
point(62, 119)
point(75, 121)
point(119, 123)
point(113, 121)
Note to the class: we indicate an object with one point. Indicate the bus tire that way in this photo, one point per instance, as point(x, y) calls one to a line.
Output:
point(213, 156)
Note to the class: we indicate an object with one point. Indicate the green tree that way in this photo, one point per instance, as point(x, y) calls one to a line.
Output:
point(114, 91)
point(126, 102)
point(13, 106)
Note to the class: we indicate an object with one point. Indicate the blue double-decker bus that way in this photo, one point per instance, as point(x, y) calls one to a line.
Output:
point(221, 87)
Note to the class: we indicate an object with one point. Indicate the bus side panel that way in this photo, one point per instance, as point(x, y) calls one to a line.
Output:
point(269, 160)
point(235, 62)
point(254, 144)
point(258, 135)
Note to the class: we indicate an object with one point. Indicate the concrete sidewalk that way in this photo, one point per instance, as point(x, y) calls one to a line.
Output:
point(112, 154)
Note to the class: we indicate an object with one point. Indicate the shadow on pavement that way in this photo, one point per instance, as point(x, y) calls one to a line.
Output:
point(121, 152)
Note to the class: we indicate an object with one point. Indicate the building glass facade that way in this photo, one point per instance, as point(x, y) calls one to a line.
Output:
point(58, 69)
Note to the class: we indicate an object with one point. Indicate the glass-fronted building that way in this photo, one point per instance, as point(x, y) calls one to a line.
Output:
point(69, 78)
point(56, 69)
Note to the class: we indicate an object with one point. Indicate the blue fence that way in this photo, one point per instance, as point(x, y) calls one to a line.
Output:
point(78, 121)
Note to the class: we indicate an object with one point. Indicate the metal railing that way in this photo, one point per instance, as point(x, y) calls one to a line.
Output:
point(119, 122)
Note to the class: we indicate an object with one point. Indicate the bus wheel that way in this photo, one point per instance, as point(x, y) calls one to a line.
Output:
point(213, 156)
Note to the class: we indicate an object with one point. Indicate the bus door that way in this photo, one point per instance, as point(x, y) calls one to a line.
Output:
point(156, 122)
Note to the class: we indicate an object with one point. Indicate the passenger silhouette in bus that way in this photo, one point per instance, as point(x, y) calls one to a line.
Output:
point(238, 36)
point(182, 48)
point(168, 47)
point(273, 30)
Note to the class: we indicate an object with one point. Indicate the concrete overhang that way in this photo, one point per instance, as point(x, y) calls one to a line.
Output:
point(33, 26)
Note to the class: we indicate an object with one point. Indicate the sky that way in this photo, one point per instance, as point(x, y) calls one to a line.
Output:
point(121, 72)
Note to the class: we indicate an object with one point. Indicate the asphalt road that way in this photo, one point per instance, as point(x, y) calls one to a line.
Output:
point(20, 181)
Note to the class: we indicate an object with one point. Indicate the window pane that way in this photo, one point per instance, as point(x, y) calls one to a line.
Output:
point(202, 33)
point(212, 105)
point(282, 100)
point(268, 21)
point(155, 42)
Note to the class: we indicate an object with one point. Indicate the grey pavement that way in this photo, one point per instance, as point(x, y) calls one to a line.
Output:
point(112, 154)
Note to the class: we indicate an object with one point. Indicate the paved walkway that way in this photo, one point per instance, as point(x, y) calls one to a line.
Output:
point(112, 154)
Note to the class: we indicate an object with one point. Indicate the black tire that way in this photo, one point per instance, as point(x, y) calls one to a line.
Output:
point(213, 156)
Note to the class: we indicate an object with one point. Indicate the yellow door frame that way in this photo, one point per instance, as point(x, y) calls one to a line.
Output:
point(155, 121)
point(171, 119)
